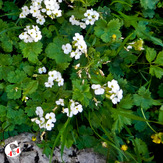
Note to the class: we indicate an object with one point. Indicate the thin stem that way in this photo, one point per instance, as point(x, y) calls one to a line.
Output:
point(146, 121)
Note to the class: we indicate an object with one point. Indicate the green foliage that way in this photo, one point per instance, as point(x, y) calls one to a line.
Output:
point(81, 92)
point(124, 44)
point(147, 4)
point(105, 30)
point(143, 98)
point(54, 50)
point(31, 50)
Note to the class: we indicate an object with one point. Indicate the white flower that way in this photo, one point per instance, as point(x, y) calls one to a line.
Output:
point(51, 116)
point(114, 86)
point(42, 70)
point(49, 125)
point(34, 10)
point(67, 48)
point(68, 111)
point(22, 15)
point(77, 109)
point(116, 92)
point(76, 54)
point(40, 20)
point(49, 84)
point(60, 82)
point(39, 111)
point(31, 35)
point(60, 102)
point(82, 25)
point(52, 75)
point(98, 89)
point(41, 122)
point(25, 10)
point(78, 37)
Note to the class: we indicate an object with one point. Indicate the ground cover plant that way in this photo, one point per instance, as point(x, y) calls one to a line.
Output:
point(84, 72)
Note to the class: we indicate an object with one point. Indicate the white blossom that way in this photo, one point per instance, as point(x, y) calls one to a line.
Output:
point(49, 125)
point(50, 116)
point(42, 70)
point(60, 102)
point(39, 111)
point(98, 89)
point(67, 48)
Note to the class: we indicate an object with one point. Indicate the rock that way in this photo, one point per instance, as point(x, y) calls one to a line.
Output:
point(31, 153)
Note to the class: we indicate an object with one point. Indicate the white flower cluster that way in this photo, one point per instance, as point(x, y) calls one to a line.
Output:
point(42, 70)
point(74, 108)
point(54, 76)
point(79, 47)
point(115, 93)
point(90, 17)
point(46, 122)
point(52, 9)
point(98, 89)
point(31, 34)
point(60, 102)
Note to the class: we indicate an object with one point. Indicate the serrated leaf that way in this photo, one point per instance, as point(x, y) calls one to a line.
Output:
point(6, 59)
point(126, 102)
point(31, 50)
point(150, 54)
point(99, 28)
point(159, 59)
point(156, 71)
point(16, 76)
point(112, 28)
point(81, 92)
point(31, 87)
point(120, 120)
point(148, 4)
point(13, 92)
point(54, 50)
point(143, 98)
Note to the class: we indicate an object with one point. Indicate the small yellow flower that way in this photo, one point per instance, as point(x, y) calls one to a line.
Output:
point(124, 147)
point(157, 138)
point(33, 138)
point(114, 37)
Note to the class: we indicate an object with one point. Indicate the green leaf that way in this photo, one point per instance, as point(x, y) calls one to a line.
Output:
point(81, 92)
point(16, 76)
point(31, 50)
point(143, 98)
point(159, 59)
point(119, 119)
point(30, 87)
point(99, 28)
point(54, 50)
point(68, 30)
point(126, 102)
point(148, 4)
point(83, 130)
point(105, 32)
point(150, 54)
point(6, 59)
point(156, 71)
point(13, 92)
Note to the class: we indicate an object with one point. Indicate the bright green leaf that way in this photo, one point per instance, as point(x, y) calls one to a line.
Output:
point(31, 50)
point(156, 71)
point(150, 54)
